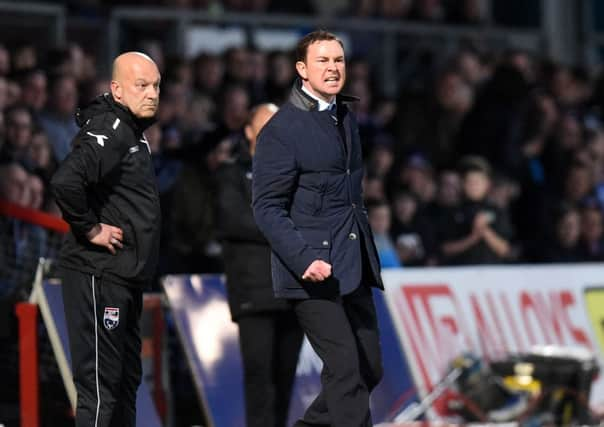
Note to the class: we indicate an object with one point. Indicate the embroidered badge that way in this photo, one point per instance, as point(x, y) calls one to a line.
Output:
point(111, 318)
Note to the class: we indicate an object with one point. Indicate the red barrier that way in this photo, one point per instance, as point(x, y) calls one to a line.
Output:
point(28, 364)
point(153, 304)
point(33, 216)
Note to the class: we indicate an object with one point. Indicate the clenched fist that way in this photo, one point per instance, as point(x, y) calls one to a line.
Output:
point(317, 271)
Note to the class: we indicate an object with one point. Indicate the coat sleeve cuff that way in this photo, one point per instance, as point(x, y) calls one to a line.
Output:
point(302, 262)
point(83, 226)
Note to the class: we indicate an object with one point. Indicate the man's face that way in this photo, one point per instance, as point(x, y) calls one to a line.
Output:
point(569, 229)
point(235, 109)
point(238, 65)
point(138, 88)
point(34, 92)
point(65, 96)
point(324, 71)
point(19, 129)
point(405, 207)
point(14, 186)
point(210, 72)
point(379, 219)
point(449, 188)
point(476, 185)
point(578, 183)
point(36, 192)
point(39, 150)
point(591, 224)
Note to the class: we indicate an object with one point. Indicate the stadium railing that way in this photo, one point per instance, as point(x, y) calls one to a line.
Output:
point(392, 35)
point(42, 16)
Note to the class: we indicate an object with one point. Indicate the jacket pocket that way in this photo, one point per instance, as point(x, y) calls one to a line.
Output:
point(319, 240)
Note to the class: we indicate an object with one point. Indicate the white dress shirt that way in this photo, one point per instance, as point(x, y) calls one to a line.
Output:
point(323, 105)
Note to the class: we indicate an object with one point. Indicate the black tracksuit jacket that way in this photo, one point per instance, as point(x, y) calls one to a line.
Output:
point(108, 177)
point(246, 253)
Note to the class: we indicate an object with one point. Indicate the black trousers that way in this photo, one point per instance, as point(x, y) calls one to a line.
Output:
point(344, 333)
point(103, 322)
point(270, 343)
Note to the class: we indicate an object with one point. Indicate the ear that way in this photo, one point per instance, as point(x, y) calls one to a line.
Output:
point(249, 133)
point(301, 69)
point(116, 89)
point(253, 147)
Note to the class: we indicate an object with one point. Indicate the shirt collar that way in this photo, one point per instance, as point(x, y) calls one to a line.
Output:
point(322, 104)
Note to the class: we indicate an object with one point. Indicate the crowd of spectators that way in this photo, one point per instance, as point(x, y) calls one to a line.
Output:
point(481, 157)
point(468, 12)
point(531, 129)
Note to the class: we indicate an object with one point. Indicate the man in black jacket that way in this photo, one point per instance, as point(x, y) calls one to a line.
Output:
point(307, 200)
point(269, 334)
point(107, 192)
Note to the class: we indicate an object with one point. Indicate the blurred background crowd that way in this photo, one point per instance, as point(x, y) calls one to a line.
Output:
point(475, 154)
point(530, 126)
point(451, 11)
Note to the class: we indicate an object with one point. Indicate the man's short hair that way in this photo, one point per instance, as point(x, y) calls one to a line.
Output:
point(475, 164)
point(310, 38)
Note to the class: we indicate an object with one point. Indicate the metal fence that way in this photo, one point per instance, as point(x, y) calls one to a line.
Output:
point(381, 41)
point(43, 21)
point(566, 31)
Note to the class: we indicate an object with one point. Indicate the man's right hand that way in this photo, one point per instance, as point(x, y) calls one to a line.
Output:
point(317, 271)
point(107, 236)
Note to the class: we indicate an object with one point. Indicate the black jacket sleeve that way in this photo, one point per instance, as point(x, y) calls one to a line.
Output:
point(234, 217)
point(95, 154)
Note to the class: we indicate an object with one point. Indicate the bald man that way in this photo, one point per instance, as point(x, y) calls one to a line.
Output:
point(107, 192)
point(269, 335)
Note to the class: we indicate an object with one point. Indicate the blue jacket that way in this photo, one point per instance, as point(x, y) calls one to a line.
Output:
point(307, 199)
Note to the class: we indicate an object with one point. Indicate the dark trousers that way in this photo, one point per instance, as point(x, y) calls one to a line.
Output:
point(104, 340)
point(344, 333)
point(270, 344)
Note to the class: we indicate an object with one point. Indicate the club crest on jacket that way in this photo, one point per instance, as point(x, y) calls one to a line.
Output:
point(111, 318)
